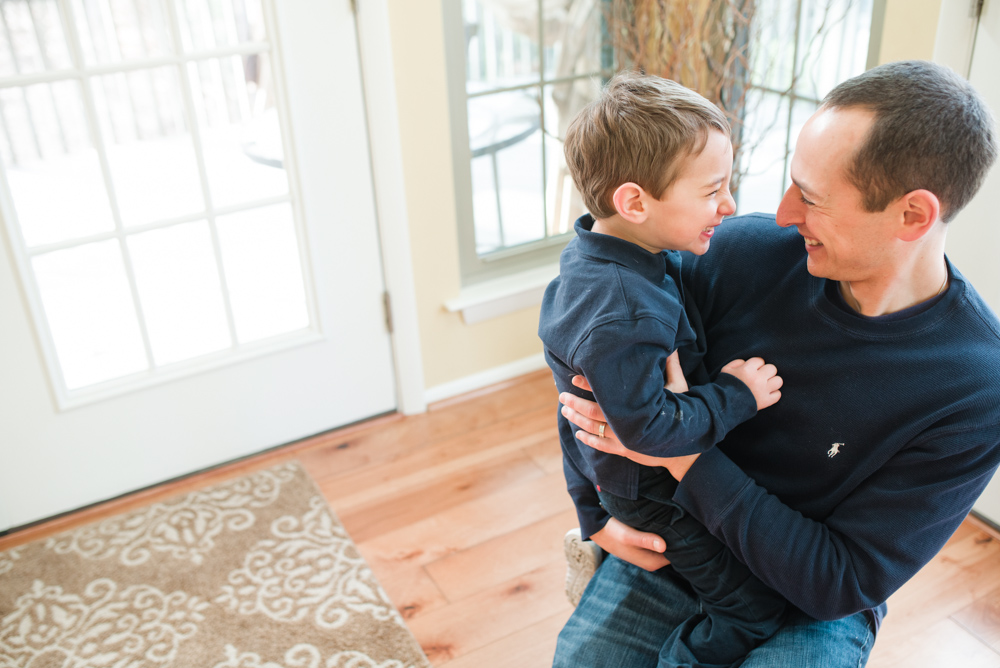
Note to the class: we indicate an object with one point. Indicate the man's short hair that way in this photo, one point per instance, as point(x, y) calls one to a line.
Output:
point(636, 131)
point(932, 131)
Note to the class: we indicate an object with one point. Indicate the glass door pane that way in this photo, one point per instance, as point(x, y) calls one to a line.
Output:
point(146, 182)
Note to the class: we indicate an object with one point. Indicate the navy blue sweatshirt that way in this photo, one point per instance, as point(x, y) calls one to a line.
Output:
point(614, 314)
point(886, 432)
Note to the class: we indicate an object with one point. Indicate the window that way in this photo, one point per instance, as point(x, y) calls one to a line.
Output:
point(526, 68)
point(519, 71)
point(144, 186)
point(804, 50)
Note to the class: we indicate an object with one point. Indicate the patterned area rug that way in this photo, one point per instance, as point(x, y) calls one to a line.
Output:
point(252, 573)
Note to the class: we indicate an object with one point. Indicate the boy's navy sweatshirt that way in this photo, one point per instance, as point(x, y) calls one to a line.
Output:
point(886, 432)
point(614, 314)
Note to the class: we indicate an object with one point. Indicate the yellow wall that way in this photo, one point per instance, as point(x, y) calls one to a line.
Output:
point(909, 29)
point(452, 350)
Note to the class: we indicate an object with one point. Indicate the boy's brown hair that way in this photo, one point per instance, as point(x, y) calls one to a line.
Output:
point(636, 131)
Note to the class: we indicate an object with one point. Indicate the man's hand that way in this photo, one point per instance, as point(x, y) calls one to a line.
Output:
point(589, 417)
point(590, 435)
point(762, 379)
point(636, 547)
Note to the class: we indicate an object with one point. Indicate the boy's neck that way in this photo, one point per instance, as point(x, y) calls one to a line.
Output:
point(615, 226)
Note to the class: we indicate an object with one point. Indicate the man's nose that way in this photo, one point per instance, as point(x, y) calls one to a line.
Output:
point(790, 209)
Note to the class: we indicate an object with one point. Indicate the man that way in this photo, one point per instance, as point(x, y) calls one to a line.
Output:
point(889, 422)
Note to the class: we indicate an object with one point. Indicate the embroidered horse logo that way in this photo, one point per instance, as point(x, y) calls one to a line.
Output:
point(834, 450)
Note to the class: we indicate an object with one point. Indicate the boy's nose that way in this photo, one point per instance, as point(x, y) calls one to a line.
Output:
point(728, 205)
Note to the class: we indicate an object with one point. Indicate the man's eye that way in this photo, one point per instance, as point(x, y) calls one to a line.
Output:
point(805, 201)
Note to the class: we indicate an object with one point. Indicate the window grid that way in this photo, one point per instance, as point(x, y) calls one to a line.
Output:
point(85, 76)
point(484, 60)
point(835, 16)
point(805, 63)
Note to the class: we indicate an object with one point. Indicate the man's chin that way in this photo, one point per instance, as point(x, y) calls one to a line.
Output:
point(816, 268)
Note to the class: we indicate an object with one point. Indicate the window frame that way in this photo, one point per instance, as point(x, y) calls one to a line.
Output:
point(788, 99)
point(512, 260)
point(531, 258)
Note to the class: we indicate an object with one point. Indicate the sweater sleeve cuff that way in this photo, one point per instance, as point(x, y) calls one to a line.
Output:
point(711, 487)
point(591, 520)
point(737, 402)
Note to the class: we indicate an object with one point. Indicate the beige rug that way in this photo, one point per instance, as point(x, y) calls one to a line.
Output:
point(252, 573)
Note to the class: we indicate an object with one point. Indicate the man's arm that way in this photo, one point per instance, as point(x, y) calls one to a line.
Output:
point(876, 538)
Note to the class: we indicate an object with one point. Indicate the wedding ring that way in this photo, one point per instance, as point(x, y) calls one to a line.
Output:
point(600, 431)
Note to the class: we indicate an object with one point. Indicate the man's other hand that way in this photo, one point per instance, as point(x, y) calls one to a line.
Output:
point(636, 547)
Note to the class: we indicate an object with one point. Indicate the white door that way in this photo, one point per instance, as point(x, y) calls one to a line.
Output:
point(190, 271)
point(974, 237)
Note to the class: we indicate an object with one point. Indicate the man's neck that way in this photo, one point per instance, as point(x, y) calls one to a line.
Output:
point(923, 278)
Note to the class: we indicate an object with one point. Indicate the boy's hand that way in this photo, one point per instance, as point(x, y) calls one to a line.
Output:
point(762, 379)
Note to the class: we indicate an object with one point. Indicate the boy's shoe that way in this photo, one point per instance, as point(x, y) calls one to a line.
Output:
point(582, 559)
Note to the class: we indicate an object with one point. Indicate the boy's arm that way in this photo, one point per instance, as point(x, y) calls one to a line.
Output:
point(624, 362)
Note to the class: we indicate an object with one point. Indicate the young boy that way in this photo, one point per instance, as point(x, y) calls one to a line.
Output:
point(653, 160)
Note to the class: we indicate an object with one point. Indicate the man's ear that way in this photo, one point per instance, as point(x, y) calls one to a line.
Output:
point(920, 209)
point(629, 201)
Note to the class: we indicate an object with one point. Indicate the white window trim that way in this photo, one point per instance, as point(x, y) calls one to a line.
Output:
point(500, 296)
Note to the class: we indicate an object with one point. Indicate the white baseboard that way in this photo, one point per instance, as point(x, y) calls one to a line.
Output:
point(476, 381)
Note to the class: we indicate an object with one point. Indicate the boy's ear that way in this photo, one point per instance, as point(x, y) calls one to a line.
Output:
point(920, 209)
point(629, 201)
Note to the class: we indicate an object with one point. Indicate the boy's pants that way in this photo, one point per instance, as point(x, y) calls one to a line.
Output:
point(738, 611)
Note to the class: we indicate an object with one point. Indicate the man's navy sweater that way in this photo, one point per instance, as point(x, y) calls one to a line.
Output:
point(886, 432)
point(614, 315)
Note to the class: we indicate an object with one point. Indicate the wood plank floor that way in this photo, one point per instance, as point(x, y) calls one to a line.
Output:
point(461, 512)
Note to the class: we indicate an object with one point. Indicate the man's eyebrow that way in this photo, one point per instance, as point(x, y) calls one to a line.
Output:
point(802, 186)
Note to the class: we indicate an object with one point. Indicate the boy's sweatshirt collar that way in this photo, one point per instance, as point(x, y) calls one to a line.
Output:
point(652, 266)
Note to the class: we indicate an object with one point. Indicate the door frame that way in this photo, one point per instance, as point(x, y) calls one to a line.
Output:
point(382, 111)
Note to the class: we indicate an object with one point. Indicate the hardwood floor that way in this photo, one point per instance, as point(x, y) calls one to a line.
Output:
point(461, 511)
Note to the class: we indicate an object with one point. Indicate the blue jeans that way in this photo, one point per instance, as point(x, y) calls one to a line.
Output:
point(738, 611)
point(626, 614)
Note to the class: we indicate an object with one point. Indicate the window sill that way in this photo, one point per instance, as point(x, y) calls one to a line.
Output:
point(492, 299)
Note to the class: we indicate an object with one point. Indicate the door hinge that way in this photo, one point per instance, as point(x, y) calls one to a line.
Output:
point(388, 311)
point(975, 9)
point(354, 6)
